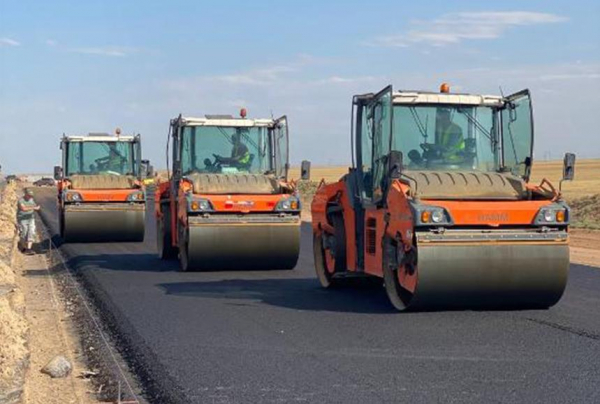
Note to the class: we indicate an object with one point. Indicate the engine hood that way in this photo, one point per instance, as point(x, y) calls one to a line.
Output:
point(464, 185)
point(234, 184)
point(104, 181)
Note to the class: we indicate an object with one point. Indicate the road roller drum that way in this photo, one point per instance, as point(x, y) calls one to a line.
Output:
point(106, 223)
point(523, 269)
point(243, 245)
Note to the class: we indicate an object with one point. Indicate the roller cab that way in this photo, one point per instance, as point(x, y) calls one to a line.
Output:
point(440, 206)
point(228, 203)
point(100, 195)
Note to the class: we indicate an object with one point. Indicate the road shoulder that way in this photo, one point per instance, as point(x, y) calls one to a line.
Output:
point(585, 247)
point(52, 333)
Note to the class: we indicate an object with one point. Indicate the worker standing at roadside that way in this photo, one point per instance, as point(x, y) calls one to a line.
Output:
point(26, 207)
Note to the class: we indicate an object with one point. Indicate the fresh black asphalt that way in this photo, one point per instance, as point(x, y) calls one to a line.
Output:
point(276, 336)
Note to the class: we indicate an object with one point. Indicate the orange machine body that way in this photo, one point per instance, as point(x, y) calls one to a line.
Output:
point(222, 204)
point(395, 219)
point(99, 195)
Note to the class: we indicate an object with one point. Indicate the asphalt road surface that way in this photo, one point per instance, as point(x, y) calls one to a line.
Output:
point(276, 336)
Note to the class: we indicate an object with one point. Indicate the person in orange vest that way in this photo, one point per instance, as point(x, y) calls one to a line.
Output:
point(449, 136)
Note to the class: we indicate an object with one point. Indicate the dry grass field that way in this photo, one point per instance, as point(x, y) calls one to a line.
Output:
point(587, 176)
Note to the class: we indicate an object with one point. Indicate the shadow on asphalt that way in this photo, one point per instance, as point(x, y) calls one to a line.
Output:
point(43, 246)
point(356, 296)
point(123, 262)
point(146, 262)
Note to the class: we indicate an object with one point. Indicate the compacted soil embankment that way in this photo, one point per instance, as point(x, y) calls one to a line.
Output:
point(14, 353)
point(41, 358)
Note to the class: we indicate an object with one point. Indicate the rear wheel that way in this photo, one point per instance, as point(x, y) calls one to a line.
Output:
point(184, 242)
point(339, 254)
point(61, 224)
point(330, 253)
point(399, 296)
point(163, 240)
point(323, 274)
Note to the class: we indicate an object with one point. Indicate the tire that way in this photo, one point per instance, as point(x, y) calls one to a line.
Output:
point(325, 276)
point(184, 263)
point(340, 242)
point(163, 241)
point(399, 297)
point(61, 225)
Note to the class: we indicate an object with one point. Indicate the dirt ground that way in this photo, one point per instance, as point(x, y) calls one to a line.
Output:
point(14, 355)
point(51, 333)
point(35, 325)
point(589, 239)
point(585, 247)
point(586, 212)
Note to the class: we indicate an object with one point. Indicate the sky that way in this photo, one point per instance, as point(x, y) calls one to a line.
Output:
point(90, 66)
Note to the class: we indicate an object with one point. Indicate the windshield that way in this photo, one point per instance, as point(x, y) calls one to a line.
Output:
point(88, 158)
point(231, 150)
point(446, 137)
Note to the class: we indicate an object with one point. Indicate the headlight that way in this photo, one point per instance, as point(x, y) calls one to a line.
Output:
point(437, 216)
point(291, 203)
point(552, 214)
point(200, 205)
point(136, 196)
point(426, 215)
point(71, 196)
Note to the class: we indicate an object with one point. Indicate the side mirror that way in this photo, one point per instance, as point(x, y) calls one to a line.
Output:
point(305, 170)
point(58, 173)
point(395, 163)
point(569, 167)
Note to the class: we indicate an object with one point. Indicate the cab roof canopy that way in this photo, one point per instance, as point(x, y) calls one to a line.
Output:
point(223, 120)
point(99, 137)
point(423, 97)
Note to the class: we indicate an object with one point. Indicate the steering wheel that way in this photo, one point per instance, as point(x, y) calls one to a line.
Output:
point(102, 162)
point(215, 166)
point(432, 151)
point(431, 147)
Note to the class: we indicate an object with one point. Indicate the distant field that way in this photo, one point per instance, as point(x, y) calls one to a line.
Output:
point(587, 176)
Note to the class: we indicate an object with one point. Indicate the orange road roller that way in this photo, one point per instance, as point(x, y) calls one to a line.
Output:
point(228, 203)
point(439, 205)
point(100, 195)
